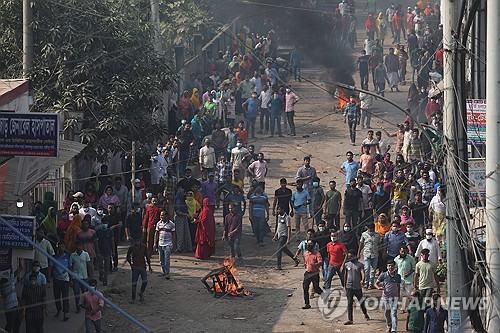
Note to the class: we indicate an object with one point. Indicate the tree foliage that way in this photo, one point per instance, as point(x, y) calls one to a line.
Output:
point(95, 57)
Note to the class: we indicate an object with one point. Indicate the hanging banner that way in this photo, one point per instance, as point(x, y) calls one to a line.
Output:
point(476, 121)
point(29, 134)
point(477, 177)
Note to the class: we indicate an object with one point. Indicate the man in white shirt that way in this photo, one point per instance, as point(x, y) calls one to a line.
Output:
point(431, 244)
point(207, 157)
point(265, 98)
point(371, 142)
point(86, 210)
point(383, 144)
point(164, 242)
point(366, 106)
point(256, 83)
point(237, 155)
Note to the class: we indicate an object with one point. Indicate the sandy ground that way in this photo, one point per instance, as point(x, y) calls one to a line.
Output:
point(183, 304)
point(275, 306)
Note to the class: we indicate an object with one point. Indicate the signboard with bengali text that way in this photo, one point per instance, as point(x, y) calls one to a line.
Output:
point(476, 121)
point(25, 224)
point(29, 134)
point(477, 177)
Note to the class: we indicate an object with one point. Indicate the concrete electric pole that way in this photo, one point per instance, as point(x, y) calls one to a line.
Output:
point(453, 136)
point(27, 38)
point(492, 165)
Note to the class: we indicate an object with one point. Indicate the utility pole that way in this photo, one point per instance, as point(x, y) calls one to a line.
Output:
point(155, 20)
point(492, 165)
point(133, 172)
point(27, 38)
point(453, 136)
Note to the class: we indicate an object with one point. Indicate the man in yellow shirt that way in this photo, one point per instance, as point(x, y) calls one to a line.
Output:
point(400, 192)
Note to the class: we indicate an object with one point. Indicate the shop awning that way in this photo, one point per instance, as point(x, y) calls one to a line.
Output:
point(24, 173)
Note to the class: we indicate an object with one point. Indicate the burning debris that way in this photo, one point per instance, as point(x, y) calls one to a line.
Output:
point(224, 281)
point(342, 99)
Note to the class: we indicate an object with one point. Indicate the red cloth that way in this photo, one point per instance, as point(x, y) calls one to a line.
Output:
point(431, 109)
point(311, 258)
point(205, 233)
point(336, 253)
point(370, 24)
point(151, 217)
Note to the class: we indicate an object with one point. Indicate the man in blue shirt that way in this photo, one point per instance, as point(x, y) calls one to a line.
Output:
point(349, 168)
point(251, 107)
point(394, 240)
point(435, 317)
point(61, 281)
point(259, 214)
point(300, 200)
point(41, 279)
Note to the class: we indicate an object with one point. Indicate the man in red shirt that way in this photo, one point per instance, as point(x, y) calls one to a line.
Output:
point(312, 261)
point(151, 217)
point(337, 254)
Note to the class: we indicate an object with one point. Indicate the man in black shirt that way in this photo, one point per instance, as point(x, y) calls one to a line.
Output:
point(113, 220)
point(188, 181)
point(363, 68)
point(187, 138)
point(353, 204)
point(282, 198)
point(133, 224)
point(418, 212)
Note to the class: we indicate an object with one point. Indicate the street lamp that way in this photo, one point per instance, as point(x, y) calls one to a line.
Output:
point(19, 204)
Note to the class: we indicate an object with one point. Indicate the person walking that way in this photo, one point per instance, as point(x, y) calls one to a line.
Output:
point(405, 265)
point(380, 78)
point(282, 235)
point(332, 206)
point(290, 100)
point(312, 262)
point(300, 201)
point(92, 302)
point(337, 254)
point(183, 235)
point(151, 217)
point(137, 256)
point(61, 281)
point(426, 280)
point(205, 233)
point(258, 170)
point(392, 65)
point(390, 283)
point(232, 231)
point(366, 108)
point(369, 246)
point(352, 116)
point(81, 264)
point(164, 242)
point(275, 106)
point(33, 305)
point(353, 276)
point(259, 214)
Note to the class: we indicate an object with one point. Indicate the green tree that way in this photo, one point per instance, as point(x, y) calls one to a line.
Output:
point(95, 57)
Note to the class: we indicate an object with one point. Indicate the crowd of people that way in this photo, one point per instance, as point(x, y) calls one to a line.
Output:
point(392, 237)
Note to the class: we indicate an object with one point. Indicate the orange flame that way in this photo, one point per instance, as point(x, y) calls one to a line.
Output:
point(226, 281)
point(342, 98)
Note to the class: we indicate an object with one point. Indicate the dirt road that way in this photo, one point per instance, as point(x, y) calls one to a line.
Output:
point(183, 304)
